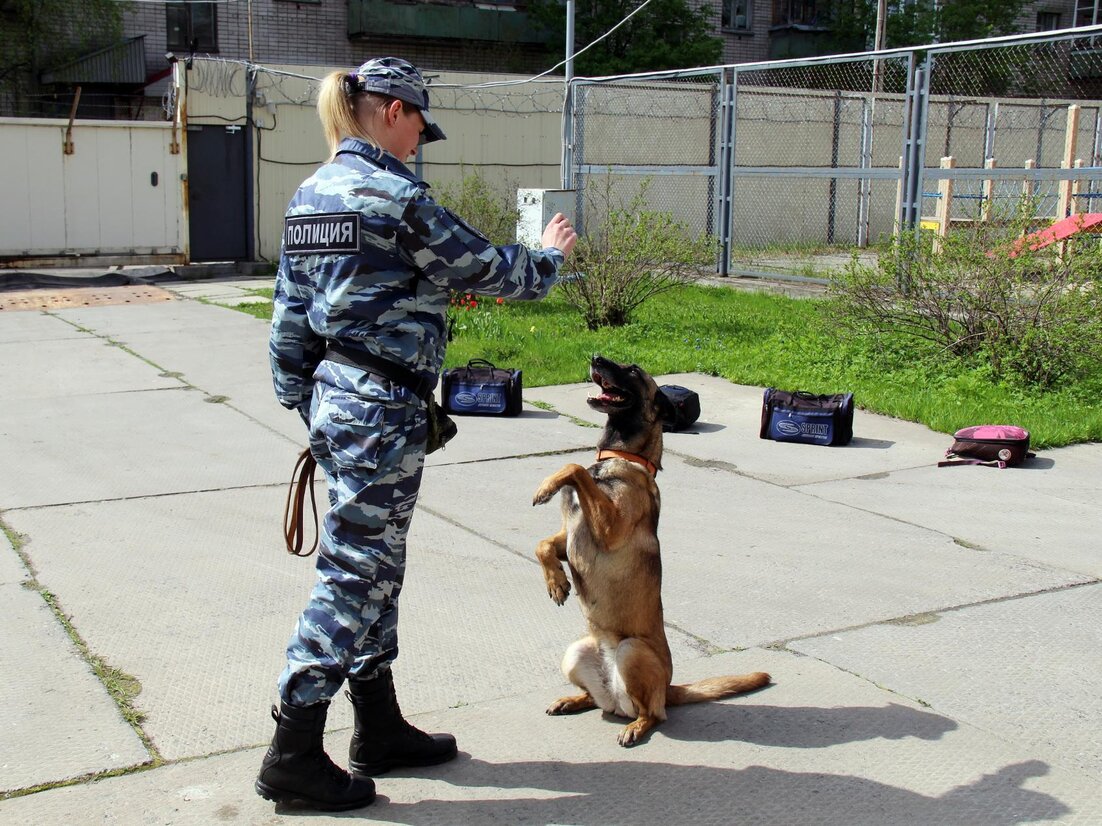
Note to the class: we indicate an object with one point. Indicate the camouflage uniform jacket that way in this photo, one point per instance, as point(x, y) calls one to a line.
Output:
point(370, 259)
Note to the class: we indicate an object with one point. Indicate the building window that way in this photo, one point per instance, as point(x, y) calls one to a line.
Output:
point(736, 15)
point(795, 13)
point(1048, 21)
point(192, 27)
point(1086, 13)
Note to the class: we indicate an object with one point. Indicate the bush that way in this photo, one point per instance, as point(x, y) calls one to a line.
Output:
point(635, 254)
point(1034, 316)
point(492, 211)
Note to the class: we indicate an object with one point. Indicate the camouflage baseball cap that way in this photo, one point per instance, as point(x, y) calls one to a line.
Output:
point(399, 79)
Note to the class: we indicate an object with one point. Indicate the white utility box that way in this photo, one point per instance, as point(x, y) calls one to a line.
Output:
point(535, 207)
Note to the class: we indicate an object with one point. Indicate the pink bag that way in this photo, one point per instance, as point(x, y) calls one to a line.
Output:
point(1000, 445)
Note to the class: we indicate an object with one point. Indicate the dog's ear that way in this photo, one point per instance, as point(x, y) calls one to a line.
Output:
point(663, 406)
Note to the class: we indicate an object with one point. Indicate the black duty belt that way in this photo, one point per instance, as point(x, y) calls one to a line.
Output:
point(355, 357)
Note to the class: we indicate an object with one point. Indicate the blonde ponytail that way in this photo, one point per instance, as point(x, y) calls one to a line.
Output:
point(342, 115)
point(337, 112)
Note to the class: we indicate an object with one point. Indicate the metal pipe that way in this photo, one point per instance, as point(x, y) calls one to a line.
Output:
point(68, 147)
point(566, 173)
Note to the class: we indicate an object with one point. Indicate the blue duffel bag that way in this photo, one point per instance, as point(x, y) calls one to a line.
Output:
point(481, 389)
point(796, 416)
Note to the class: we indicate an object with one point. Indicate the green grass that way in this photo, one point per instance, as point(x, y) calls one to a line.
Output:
point(769, 340)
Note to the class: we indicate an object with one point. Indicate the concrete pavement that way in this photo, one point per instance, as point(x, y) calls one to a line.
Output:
point(933, 635)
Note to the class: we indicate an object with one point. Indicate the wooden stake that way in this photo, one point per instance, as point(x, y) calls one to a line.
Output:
point(944, 203)
point(988, 193)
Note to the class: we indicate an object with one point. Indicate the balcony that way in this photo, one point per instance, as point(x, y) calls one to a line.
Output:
point(491, 21)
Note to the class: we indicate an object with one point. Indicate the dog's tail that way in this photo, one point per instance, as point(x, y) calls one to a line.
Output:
point(713, 688)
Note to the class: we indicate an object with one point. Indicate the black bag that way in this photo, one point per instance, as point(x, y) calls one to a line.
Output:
point(686, 406)
point(804, 417)
point(480, 388)
point(441, 428)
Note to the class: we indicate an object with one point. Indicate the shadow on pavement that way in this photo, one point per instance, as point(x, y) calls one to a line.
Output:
point(663, 794)
point(802, 727)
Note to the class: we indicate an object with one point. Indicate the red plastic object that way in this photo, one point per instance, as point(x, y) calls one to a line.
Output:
point(1060, 231)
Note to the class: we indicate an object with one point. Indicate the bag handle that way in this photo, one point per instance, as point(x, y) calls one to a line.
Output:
point(472, 363)
point(302, 480)
point(951, 463)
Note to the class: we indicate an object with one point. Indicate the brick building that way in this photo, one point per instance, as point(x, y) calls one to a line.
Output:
point(464, 35)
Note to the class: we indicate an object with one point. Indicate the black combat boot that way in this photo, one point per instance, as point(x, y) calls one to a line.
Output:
point(383, 740)
point(297, 769)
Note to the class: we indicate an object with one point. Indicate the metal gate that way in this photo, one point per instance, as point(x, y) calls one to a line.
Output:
point(794, 165)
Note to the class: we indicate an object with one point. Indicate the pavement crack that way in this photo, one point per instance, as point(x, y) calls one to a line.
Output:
point(557, 452)
point(923, 617)
point(138, 497)
point(121, 687)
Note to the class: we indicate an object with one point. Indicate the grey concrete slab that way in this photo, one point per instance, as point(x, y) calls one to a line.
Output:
point(224, 293)
point(730, 420)
point(57, 720)
point(220, 597)
point(133, 444)
point(64, 368)
point(819, 747)
point(171, 316)
point(746, 562)
point(1049, 511)
point(27, 327)
point(979, 664)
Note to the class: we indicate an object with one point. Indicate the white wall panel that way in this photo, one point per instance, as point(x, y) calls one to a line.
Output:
point(98, 200)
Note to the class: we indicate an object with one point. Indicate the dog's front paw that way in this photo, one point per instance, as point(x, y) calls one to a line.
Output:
point(558, 586)
point(544, 494)
point(630, 734)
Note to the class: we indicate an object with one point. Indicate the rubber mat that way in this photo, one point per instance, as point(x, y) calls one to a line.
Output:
point(82, 297)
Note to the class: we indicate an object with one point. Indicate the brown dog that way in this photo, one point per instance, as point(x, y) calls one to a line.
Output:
point(610, 518)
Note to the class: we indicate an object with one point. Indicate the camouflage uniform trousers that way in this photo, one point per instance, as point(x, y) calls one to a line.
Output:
point(369, 437)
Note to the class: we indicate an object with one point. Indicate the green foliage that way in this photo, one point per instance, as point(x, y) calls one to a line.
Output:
point(924, 21)
point(667, 34)
point(43, 34)
point(633, 255)
point(1033, 317)
point(492, 210)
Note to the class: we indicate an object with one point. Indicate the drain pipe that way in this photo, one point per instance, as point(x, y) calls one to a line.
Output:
point(68, 147)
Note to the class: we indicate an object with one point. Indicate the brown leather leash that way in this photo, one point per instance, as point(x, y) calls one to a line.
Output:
point(302, 480)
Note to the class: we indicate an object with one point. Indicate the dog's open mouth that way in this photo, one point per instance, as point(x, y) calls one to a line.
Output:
point(610, 395)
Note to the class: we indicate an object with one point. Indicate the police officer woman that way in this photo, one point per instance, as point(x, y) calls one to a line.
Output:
point(357, 342)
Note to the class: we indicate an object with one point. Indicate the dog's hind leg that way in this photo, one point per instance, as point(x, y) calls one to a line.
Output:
point(584, 665)
point(551, 553)
point(640, 688)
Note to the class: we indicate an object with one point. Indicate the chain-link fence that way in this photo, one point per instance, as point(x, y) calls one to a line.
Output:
point(655, 142)
point(794, 165)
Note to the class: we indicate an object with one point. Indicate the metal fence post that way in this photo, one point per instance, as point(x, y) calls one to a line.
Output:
point(726, 160)
point(914, 141)
point(832, 188)
point(728, 172)
point(577, 180)
point(567, 171)
point(864, 185)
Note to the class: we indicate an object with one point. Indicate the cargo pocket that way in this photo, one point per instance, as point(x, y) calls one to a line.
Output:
point(352, 429)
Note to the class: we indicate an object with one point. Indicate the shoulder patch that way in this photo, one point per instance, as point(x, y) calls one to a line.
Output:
point(322, 233)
